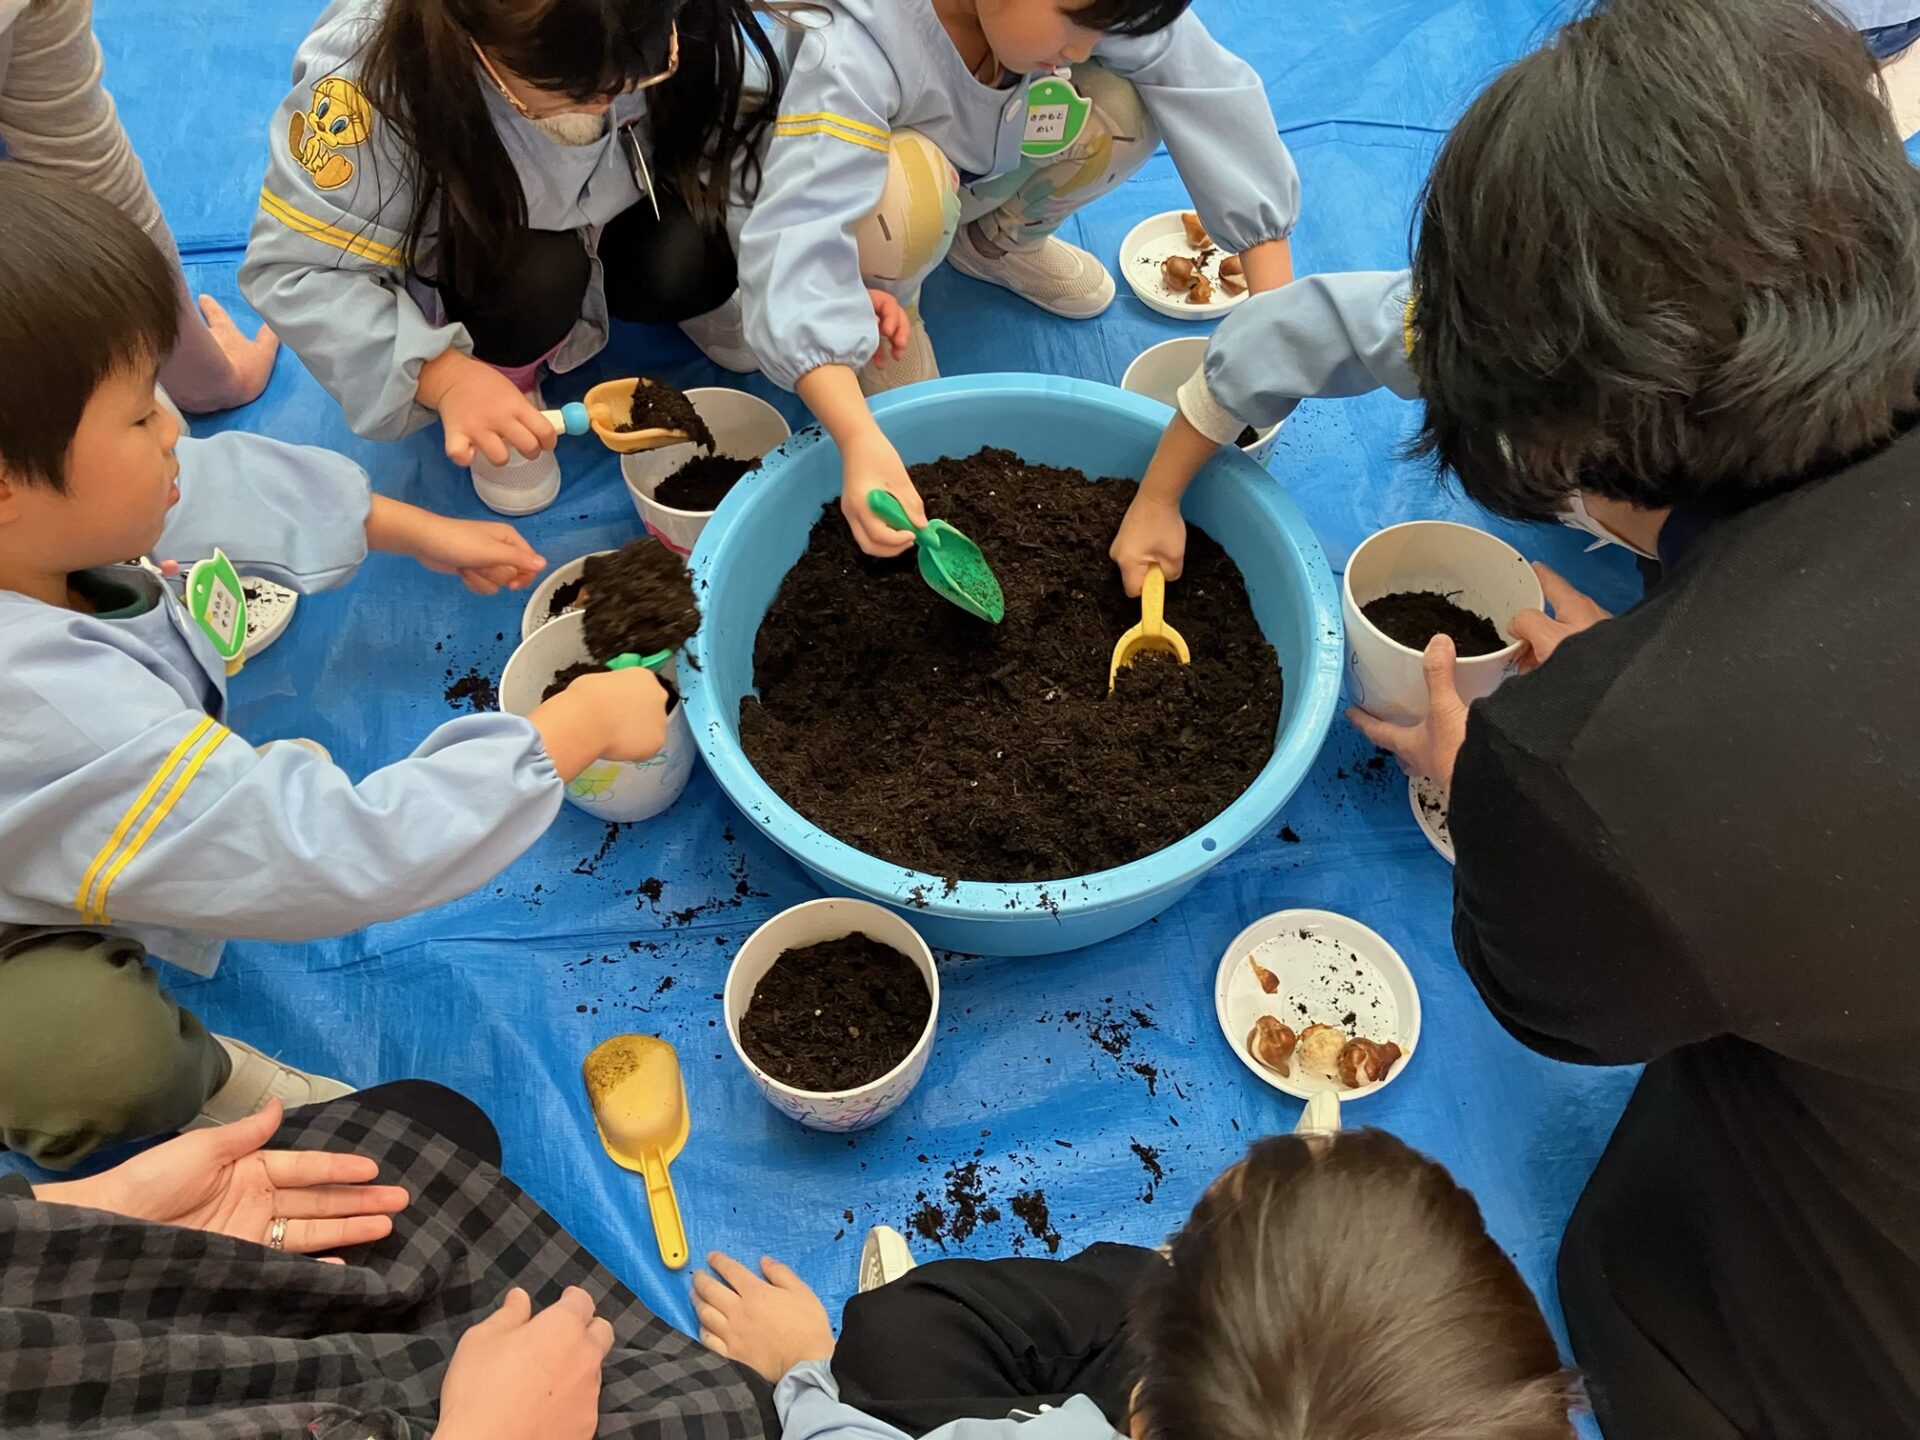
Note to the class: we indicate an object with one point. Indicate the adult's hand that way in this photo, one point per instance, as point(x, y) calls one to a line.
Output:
point(223, 1181)
point(1430, 747)
point(521, 1376)
point(1572, 613)
point(769, 1325)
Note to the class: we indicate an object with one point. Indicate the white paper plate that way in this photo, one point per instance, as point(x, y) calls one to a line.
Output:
point(270, 609)
point(1330, 968)
point(1152, 241)
point(1429, 804)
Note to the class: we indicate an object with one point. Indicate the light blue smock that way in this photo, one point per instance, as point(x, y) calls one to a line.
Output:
point(127, 806)
point(860, 69)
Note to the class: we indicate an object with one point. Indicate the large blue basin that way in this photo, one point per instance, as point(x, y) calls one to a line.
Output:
point(761, 529)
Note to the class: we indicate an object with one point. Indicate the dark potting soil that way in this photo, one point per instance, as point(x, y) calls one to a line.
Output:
point(473, 691)
point(566, 597)
point(1246, 437)
point(703, 482)
point(661, 407)
point(639, 600)
point(1413, 617)
point(567, 676)
point(835, 1015)
point(910, 729)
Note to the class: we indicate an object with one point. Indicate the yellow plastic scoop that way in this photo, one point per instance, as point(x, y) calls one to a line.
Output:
point(609, 404)
point(1152, 635)
point(640, 1109)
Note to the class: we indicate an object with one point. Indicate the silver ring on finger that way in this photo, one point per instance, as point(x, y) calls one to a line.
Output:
point(277, 1233)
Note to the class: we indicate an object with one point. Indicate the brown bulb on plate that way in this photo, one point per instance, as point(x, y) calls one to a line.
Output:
point(1272, 1042)
point(1364, 1061)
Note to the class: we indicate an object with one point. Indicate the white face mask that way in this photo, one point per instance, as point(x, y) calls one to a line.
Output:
point(1577, 516)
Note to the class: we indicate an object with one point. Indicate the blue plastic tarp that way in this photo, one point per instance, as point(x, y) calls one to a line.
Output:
point(1051, 1075)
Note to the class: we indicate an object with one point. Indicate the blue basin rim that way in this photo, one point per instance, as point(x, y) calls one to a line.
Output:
point(1078, 910)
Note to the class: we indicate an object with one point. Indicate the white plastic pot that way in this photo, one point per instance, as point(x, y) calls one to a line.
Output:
point(541, 600)
point(744, 427)
point(1160, 370)
point(618, 790)
point(1478, 571)
point(810, 924)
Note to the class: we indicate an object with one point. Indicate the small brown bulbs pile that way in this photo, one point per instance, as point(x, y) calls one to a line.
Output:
point(1324, 1050)
point(1186, 275)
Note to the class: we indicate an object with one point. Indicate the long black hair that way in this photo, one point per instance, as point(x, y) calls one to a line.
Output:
point(1675, 251)
point(421, 75)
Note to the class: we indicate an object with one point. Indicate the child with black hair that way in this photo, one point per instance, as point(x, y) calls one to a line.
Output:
point(132, 821)
point(913, 131)
point(462, 192)
point(1326, 1287)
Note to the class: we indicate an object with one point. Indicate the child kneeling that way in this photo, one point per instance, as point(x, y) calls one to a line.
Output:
point(132, 821)
point(1326, 1287)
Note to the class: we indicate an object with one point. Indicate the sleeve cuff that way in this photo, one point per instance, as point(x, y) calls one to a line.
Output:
point(1205, 412)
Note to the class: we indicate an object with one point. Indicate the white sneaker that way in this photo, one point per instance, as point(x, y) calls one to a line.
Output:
point(1054, 275)
point(722, 337)
point(911, 368)
point(270, 609)
point(256, 1080)
point(884, 1258)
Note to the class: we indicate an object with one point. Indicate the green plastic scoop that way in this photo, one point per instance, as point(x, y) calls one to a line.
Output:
point(949, 562)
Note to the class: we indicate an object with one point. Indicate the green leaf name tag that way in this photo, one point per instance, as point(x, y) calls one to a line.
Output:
point(1056, 114)
point(218, 605)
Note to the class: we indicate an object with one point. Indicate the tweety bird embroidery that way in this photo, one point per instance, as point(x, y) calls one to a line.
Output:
point(339, 121)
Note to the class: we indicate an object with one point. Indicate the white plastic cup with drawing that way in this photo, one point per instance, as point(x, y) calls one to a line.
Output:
point(616, 790)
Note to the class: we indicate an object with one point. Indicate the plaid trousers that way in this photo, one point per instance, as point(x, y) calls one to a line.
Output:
point(110, 1325)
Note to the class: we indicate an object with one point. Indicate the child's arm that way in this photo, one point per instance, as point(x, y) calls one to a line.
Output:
point(775, 1326)
point(326, 267)
point(128, 806)
point(1212, 111)
point(868, 460)
point(1322, 337)
point(809, 316)
point(305, 517)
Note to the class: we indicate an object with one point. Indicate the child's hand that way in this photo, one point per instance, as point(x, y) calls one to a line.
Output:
point(608, 715)
point(486, 555)
point(768, 1325)
point(894, 327)
point(871, 463)
point(1152, 534)
point(480, 409)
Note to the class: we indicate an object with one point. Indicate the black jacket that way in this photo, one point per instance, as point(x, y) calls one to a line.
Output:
point(1692, 838)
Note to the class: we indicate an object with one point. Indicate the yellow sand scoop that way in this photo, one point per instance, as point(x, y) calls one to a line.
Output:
point(1152, 636)
point(640, 1109)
